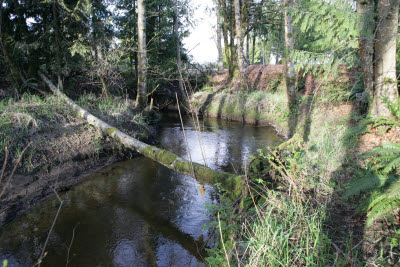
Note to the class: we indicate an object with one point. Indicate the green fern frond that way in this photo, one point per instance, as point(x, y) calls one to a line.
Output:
point(383, 152)
point(389, 145)
point(385, 197)
point(381, 202)
point(382, 121)
point(370, 180)
point(391, 191)
point(392, 165)
point(394, 107)
point(388, 156)
point(383, 209)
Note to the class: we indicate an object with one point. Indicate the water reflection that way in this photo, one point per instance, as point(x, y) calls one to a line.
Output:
point(135, 213)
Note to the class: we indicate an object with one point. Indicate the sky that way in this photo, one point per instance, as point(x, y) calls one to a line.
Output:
point(201, 41)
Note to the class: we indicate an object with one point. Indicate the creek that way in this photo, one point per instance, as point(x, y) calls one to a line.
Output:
point(136, 212)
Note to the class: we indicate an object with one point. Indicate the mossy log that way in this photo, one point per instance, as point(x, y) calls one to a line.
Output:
point(230, 182)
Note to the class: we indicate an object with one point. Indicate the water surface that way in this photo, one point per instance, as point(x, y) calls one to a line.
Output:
point(137, 212)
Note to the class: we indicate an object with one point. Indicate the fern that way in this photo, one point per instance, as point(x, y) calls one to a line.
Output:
point(370, 180)
point(388, 156)
point(381, 182)
point(394, 107)
point(383, 121)
point(381, 203)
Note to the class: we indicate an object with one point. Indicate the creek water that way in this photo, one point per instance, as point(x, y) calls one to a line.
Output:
point(137, 212)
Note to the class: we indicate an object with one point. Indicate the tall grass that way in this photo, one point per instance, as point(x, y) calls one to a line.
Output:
point(287, 233)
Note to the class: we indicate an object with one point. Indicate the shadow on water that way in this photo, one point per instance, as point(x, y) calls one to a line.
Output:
point(135, 212)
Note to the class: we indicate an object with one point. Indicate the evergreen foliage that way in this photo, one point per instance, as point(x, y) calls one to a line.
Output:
point(327, 38)
point(380, 180)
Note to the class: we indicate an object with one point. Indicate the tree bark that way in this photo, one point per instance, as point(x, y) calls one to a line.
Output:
point(178, 50)
point(135, 38)
point(248, 48)
point(278, 42)
point(225, 35)
point(57, 40)
point(219, 46)
point(234, 62)
point(141, 98)
point(17, 79)
point(289, 46)
point(230, 182)
point(241, 64)
point(366, 9)
point(385, 54)
point(254, 48)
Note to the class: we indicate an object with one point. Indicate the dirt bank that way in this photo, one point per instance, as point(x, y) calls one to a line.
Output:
point(64, 148)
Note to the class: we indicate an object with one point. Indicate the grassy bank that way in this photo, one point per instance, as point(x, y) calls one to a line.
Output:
point(295, 213)
point(264, 108)
point(32, 116)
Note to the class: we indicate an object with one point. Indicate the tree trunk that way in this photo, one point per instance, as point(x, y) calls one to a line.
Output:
point(230, 182)
point(234, 62)
point(178, 50)
point(104, 86)
point(225, 34)
point(102, 75)
point(254, 48)
point(278, 42)
point(16, 77)
point(219, 46)
point(289, 46)
point(366, 10)
point(248, 49)
point(47, 26)
point(385, 54)
point(239, 35)
point(135, 38)
point(141, 98)
point(57, 40)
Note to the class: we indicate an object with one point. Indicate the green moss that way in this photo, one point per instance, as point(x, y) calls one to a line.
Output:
point(388, 81)
point(207, 175)
point(165, 157)
point(149, 152)
point(296, 142)
point(110, 131)
point(183, 167)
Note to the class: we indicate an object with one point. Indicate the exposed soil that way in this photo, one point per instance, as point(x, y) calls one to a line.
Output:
point(61, 155)
point(268, 77)
point(377, 136)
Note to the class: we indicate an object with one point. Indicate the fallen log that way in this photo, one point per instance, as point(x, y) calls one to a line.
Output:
point(230, 182)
